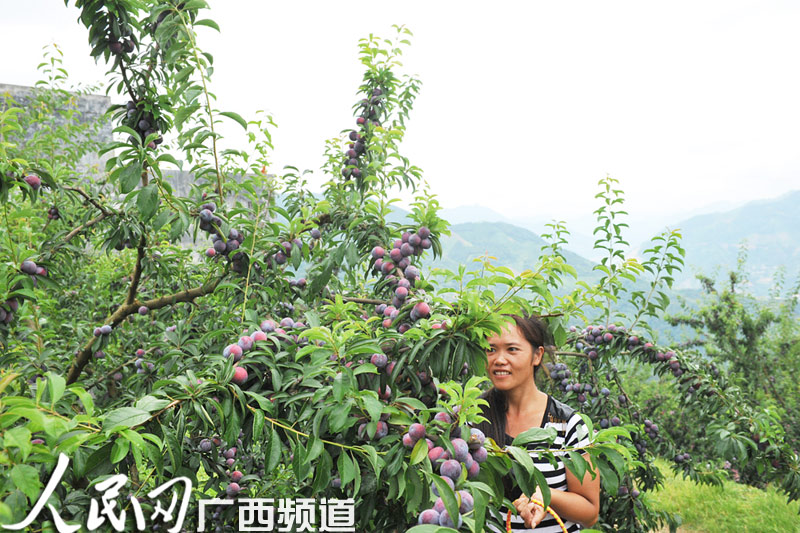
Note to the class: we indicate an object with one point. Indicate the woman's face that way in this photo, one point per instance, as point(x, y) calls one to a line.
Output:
point(511, 359)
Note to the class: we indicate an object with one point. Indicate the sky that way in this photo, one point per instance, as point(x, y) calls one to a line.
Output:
point(525, 106)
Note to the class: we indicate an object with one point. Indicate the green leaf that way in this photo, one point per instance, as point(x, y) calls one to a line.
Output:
point(168, 158)
point(347, 470)
point(447, 495)
point(338, 387)
point(150, 403)
point(607, 474)
point(130, 177)
point(55, 385)
point(85, 397)
point(428, 528)
point(274, 455)
point(237, 118)
point(19, 437)
point(322, 473)
point(541, 482)
point(535, 435)
point(124, 417)
point(576, 464)
point(372, 404)
point(120, 449)
point(207, 22)
point(420, 451)
point(315, 448)
point(148, 201)
point(26, 479)
point(522, 458)
point(258, 426)
point(162, 218)
point(480, 509)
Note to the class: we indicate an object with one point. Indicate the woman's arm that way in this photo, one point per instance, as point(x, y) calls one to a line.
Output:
point(579, 503)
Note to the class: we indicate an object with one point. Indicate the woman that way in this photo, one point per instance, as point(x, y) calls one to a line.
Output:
point(516, 405)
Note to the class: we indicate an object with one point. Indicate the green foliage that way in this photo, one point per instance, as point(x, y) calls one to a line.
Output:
point(161, 393)
point(730, 507)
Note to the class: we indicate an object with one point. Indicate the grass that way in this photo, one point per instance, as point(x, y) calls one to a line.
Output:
point(730, 508)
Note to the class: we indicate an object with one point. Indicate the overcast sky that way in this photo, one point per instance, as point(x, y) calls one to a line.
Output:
point(524, 105)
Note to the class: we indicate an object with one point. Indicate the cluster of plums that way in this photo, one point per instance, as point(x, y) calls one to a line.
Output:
point(248, 341)
point(104, 330)
point(594, 337)
point(142, 122)
point(281, 257)
point(399, 256)
point(682, 457)
point(467, 454)
point(228, 247)
point(53, 214)
point(32, 269)
point(370, 110)
point(142, 366)
point(11, 306)
point(227, 456)
point(8, 309)
point(561, 375)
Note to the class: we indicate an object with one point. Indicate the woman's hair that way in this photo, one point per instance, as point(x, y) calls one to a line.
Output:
point(535, 331)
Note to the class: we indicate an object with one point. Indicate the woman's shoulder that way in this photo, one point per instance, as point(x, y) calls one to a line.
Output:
point(559, 410)
point(569, 423)
point(560, 413)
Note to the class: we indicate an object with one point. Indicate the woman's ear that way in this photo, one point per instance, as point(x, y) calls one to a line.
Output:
point(538, 356)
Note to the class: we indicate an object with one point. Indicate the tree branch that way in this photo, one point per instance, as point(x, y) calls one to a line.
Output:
point(82, 227)
point(106, 211)
point(111, 373)
point(362, 300)
point(125, 310)
point(574, 354)
point(137, 273)
point(127, 83)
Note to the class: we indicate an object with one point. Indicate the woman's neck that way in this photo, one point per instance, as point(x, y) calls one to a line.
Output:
point(525, 400)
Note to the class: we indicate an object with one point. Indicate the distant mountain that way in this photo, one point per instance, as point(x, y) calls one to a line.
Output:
point(514, 247)
point(770, 228)
point(472, 213)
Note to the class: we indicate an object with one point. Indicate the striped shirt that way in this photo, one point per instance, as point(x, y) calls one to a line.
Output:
point(571, 433)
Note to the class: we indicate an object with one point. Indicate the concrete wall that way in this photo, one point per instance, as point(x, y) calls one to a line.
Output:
point(91, 108)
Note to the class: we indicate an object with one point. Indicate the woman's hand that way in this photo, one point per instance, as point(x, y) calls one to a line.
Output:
point(532, 513)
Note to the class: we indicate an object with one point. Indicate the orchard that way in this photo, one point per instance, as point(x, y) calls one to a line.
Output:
point(305, 348)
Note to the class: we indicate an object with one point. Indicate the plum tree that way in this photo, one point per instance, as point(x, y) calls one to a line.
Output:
point(363, 369)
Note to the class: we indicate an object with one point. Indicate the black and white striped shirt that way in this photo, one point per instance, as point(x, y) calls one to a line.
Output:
point(571, 433)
